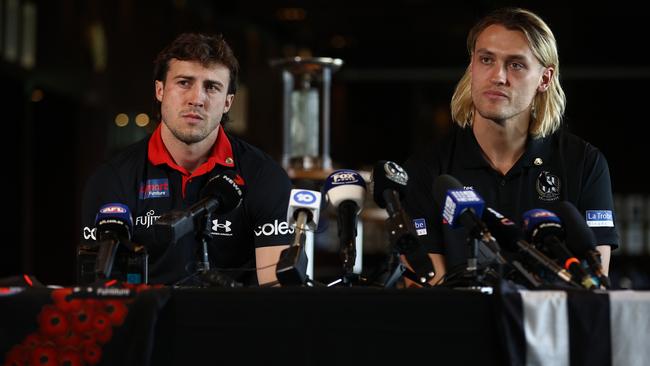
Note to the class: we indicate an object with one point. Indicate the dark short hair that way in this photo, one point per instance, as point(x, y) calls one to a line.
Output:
point(206, 49)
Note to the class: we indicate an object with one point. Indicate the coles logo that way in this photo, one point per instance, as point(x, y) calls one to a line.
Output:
point(304, 197)
point(275, 228)
point(112, 209)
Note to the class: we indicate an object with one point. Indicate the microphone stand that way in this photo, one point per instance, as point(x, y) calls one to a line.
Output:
point(204, 265)
point(207, 277)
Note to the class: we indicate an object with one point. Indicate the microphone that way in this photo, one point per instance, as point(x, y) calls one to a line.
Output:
point(221, 194)
point(114, 225)
point(464, 207)
point(302, 213)
point(346, 191)
point(389, 183)
point(542, 227)
point(580, 239)
point(510, 236)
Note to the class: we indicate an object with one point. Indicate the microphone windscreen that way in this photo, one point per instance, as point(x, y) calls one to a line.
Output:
point(579, 237)
point(539, 224)
point(225, 189)
point(345, 185)
point(441, 185)
point(115, 217)
point(387, 175)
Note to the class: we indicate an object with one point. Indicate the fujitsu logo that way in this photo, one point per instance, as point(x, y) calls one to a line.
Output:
point(148, 219)
point(275, 228)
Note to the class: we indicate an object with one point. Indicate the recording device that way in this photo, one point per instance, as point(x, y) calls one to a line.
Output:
point(345, 190)
point(464, 207)
point(389, 183)
point(510, 236)
point(302, 214)
point(112, 255)
point(220, 195)
point(580, 239)
point(544, 229)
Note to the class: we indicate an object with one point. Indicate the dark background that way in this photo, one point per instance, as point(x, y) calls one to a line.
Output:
point(401, 62)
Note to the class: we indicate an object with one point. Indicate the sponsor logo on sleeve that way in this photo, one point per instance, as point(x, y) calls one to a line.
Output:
point(275, 228)
point(154, 188)
point(599, 218)
point(420, 226)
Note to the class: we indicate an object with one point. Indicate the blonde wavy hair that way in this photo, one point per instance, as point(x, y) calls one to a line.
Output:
point(548, 107)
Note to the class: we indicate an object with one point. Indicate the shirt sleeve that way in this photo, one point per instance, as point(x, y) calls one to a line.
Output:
point(421, 207)
point(267, 202)
point(596, 201)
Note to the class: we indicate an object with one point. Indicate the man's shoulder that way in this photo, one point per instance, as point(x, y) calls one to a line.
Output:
point(573, 145)
point(434, 155)
point(136, 153)
point(128, 160)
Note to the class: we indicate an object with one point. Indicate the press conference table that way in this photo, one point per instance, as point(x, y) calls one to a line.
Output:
point(291, 326)
point(322, 326)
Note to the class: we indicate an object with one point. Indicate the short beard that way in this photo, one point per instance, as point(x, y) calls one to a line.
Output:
point(189, 138)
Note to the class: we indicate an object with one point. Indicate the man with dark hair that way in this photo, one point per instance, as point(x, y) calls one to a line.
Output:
point(195, 80)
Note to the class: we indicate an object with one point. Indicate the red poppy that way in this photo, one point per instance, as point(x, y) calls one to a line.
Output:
point(92, 353)
point(44, 356)
point(116, 311)
point(69, 339)
point(17, 356)
point(64, 301)
point(82, 320)
point(33, 340)
point(70, 357)
point(101, 322)
point(52, 321)
point(104, 336)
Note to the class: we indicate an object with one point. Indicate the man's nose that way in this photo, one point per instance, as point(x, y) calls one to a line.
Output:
point(499, 74)
point(196, 96)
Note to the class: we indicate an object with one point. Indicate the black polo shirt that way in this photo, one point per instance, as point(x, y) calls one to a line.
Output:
point(146, 179)
point(559, 167)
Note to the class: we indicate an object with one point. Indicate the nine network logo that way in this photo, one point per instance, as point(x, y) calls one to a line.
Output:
point(276, 228)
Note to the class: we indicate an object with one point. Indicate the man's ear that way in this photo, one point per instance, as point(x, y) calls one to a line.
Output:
point(547, 78)
point(160, 86)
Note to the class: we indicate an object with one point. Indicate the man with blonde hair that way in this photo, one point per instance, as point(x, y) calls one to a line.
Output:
point(508, 142)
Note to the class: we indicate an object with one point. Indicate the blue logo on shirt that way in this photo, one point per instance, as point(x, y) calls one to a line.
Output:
point(154, 188)
point(420, 226)
point(599, 218)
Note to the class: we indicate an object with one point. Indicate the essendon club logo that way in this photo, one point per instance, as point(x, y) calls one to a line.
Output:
point(154, 188)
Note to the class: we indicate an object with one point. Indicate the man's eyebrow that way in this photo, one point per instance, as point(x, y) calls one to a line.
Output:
point(516, 56)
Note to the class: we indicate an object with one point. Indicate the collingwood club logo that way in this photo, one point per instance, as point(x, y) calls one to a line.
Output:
point(395, 173)
point(548, 186)
point(221, 228)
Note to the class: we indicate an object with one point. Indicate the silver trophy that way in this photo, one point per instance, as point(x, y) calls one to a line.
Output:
point(306, 112)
